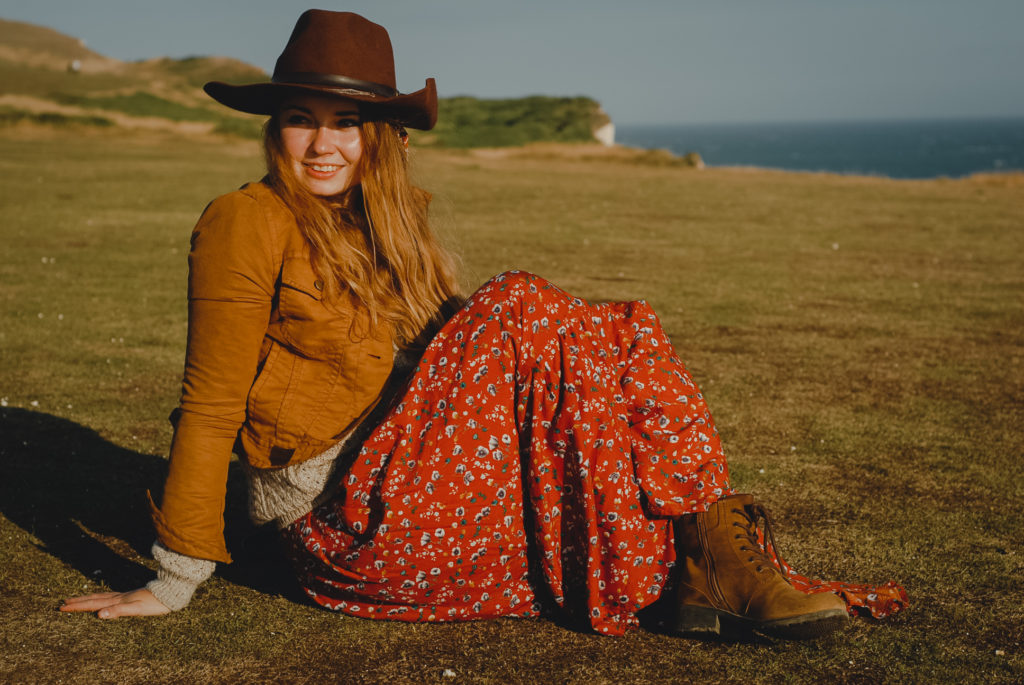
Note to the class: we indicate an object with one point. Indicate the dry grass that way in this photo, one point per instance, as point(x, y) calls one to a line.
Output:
point(859, 339)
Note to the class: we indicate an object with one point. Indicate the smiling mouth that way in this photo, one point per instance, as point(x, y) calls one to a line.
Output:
point(324, 168)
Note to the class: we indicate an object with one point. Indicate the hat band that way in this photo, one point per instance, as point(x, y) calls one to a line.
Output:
point(312, 78)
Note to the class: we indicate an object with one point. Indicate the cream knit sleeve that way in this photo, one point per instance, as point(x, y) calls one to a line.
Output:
point(178, 577)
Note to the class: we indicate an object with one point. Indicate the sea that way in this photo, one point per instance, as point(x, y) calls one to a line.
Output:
point(897, 149)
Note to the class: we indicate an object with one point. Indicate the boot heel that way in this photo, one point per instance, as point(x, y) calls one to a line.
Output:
point(694, 620)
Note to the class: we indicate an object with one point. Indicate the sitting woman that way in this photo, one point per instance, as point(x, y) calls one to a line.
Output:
point(428, 458)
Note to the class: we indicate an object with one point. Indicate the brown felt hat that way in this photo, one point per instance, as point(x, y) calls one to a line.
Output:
point(335, 53)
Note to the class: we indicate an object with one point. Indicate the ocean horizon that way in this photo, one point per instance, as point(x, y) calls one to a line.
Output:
point(896, 149)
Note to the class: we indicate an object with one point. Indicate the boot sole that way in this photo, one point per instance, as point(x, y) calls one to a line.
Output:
point(696, 621)
point(808, 626)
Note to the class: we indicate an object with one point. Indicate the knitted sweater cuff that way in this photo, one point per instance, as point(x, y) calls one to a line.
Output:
point(178, 577)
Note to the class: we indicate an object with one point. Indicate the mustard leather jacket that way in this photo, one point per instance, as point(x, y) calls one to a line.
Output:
point(270, 371)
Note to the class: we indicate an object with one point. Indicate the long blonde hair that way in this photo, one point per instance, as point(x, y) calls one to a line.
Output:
point(373, 241)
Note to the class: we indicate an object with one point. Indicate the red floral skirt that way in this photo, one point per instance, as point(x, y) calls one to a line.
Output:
point(538, 454)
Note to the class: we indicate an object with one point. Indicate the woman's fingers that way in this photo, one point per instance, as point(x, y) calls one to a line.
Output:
point(139, 602)
point(91, 602)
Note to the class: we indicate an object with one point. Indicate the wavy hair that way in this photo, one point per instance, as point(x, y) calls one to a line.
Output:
point(373, 241)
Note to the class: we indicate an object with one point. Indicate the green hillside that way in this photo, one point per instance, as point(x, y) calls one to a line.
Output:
point(48, 78)
point(471, 122)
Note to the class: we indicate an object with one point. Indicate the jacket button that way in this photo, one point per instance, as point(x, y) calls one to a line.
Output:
point(319, 285)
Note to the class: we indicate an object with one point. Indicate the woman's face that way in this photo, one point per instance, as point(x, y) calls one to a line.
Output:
point(323, 142)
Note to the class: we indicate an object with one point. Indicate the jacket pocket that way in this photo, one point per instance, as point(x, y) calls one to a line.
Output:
point(309, 326)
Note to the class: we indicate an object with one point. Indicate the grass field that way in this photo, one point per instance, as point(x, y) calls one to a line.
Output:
point(860, 340)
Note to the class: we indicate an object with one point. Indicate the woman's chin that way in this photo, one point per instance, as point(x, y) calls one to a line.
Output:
point(326, 189)
point(326, 186)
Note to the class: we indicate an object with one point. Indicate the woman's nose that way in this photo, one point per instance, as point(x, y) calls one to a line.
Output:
point(321, 144)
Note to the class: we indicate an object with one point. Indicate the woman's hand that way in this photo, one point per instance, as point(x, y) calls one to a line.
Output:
point(139, 602)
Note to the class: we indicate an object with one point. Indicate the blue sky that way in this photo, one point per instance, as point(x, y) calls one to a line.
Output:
point(646, 61)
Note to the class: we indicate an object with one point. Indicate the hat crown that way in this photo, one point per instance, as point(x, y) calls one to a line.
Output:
point(338, 44)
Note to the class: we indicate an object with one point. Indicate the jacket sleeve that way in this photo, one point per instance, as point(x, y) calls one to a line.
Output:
point(233, 270)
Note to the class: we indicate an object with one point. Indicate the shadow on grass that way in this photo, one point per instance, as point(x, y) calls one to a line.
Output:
point(84, 499)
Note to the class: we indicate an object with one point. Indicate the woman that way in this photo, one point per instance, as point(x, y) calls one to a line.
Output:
point(541, 451)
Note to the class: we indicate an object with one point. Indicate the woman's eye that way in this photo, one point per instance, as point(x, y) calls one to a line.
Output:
point(347, 122)
point(296, 120)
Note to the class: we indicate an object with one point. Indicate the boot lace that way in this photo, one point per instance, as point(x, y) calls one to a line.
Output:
point(752, 513)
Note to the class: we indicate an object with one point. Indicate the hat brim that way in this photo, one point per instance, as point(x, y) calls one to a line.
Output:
point(415, 110)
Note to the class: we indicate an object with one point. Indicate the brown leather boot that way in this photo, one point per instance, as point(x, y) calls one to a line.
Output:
point(728, 580)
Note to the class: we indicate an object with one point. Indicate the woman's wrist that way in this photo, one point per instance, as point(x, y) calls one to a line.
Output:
point(178, 577)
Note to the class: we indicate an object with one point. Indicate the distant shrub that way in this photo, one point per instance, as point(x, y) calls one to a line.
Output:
point(667, 158)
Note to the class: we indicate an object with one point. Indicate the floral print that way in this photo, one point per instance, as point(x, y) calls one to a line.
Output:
point(538, 454)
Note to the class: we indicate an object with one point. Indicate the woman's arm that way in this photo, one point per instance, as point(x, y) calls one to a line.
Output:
point(233, 268)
